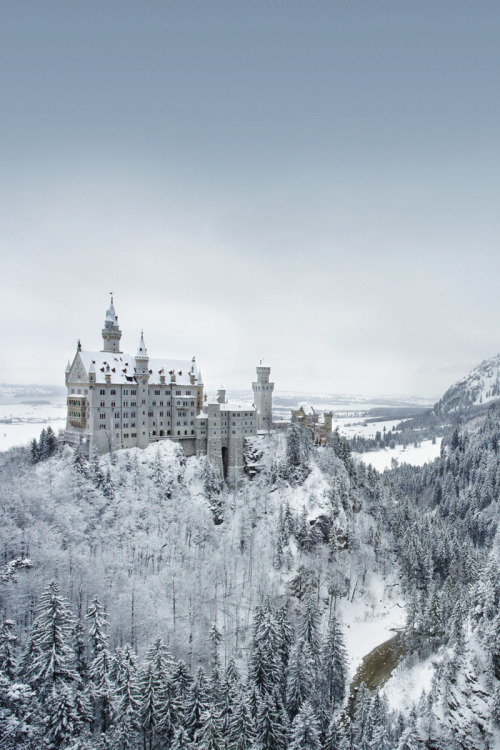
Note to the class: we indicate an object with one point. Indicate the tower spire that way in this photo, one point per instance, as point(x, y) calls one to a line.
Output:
point(111, 333)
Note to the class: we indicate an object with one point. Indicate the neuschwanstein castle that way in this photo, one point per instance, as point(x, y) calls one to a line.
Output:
point(117, 400)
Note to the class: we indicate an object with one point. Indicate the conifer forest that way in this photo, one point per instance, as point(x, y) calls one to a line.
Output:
point(145, 605)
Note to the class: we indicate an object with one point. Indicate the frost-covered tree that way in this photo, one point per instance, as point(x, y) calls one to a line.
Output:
point(241, 727)
point(102, 689)
point(301, 676)
point(8, 642)
point(271, 725)
point(333, 665)
point(209, 736)
point(305, 729)
point(196, 704)
point(50, 660)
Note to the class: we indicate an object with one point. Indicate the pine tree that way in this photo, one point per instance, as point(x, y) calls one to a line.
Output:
point(126, 704)
point(63, 723)
point(361, 724)
point(301, 676)
point(215, 639)
point(34, 451)
point(271, 729)
point(209, 736)
point(182, 680)
point(181, 740)
point(305, 729)
point(265, 663)
point(101, 689)
point(80, 649)
point(309, 626)
point(334, 666)
point(196, 704)
point(241, 728)
point(8, 641)
point(50, 442)
point(333, 735)
point(293, 445)
point(52, 657)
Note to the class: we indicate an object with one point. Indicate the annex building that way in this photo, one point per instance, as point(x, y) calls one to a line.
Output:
point(118, 400)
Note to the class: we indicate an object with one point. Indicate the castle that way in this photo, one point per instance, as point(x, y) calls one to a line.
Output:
point(117, 400)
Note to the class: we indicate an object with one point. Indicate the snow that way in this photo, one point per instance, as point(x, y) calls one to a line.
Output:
point(405, 686)
point(26, 421)
point(371, 619)
point(416, 456)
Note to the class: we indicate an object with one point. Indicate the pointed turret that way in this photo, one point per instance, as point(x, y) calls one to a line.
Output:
point(111, 333)
point(142, 358)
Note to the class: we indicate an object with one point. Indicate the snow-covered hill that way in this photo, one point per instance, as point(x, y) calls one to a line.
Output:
point(480, 386)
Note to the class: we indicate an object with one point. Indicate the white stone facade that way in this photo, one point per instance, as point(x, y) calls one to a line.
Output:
point(117, 400)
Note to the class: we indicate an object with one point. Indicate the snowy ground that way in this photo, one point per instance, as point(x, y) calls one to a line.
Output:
point(404, 688)
point(20, 423)
point(367, 624)
point(383, 458)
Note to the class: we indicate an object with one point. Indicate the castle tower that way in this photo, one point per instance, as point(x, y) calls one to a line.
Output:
point(111, 333)
point(142, 378)
point(221, 394)
point(142, 358)
point(263, 397)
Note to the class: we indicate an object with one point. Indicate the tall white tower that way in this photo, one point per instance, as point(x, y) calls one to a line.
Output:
point(263, 397)
point(111, 333)
point(141, 373)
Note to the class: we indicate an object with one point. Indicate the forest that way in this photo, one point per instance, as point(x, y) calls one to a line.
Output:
point(143, 604)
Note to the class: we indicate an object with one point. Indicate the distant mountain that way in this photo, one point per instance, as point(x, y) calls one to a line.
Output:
point(477, 389)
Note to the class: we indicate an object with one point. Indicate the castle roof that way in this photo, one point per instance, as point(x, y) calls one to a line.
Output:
point(121, 368)
point(234, 406)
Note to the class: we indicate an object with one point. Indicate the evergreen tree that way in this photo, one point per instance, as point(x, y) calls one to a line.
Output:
point(51, 655)
point(209, 736)
point(99, 672)
point(265, 663)
point(241, 728)
point(182, 680)
point(361, 727)
point(305, 729)
point(293, 445)
point(34, 451)
point(196, 704)
point(63, 724)
point(215, 639)
point(8, 641)
point(271, 729)
point(80, 649)
point(333, 736)
point(301, 676)
point(333, 665)
point(309, 626)
point(126, 704)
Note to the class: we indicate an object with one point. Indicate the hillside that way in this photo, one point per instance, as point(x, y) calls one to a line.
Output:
point(191, 616)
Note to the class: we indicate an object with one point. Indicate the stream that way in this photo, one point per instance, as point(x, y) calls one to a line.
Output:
point(376, 668)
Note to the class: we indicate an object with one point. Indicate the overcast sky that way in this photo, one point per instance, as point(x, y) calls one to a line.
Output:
point(315, 183)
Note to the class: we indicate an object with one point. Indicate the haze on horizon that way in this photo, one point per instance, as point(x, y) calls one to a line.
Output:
point(313, 184)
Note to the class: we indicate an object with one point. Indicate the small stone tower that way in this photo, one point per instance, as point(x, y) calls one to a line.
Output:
point(263, 397)
point(142, 378)
point(111, 333)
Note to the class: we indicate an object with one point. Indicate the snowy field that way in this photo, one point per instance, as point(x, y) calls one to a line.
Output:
point(20, 423)
point(419, 456)
point(366, 625)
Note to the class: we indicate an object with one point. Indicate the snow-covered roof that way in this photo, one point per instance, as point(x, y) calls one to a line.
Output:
point(111, 316)
point(233, 406)
point(121, 368)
